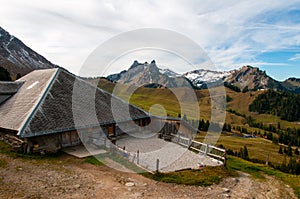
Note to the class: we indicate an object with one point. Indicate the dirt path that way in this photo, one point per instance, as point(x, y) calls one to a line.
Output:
point(68, 177)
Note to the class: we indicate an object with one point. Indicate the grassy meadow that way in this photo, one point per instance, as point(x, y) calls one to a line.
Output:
point(259, 148)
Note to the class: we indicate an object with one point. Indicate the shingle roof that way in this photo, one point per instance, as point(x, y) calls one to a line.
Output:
point(15, 111)
point(58, 106)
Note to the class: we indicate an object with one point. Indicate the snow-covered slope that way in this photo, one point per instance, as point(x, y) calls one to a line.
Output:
point(169, 73)
point(201, 77)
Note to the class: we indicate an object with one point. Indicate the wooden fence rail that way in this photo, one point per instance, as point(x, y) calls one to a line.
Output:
point(210, 150)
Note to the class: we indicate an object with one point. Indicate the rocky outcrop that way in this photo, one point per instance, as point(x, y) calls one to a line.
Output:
point(18, 58)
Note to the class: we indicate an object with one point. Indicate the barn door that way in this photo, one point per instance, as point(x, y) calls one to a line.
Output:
point(65, 139)
point(75, 140)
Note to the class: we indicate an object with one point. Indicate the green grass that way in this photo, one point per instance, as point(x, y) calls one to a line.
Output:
point(267, 119)
point(146, 97)
point(258, 148)
point(94, 161)
point(204, 177)
point(258, 171)
point(118, 159)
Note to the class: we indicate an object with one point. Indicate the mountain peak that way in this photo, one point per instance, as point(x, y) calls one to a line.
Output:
point(148, 74)
point(135, 64)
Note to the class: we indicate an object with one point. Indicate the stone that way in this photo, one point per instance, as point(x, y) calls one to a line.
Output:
point(130, 179)
point(226, 195)
point(77, 186)
point(139, 194)
point(129, 184)
point(225, 190)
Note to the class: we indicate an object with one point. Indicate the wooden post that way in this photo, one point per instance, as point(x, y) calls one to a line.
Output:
point(267, 161)
point(225, 159)
point(138, 157)
point(206, 149)
point(157, 165)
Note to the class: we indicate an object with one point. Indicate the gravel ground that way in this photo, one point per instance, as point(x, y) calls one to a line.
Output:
point(68, 177)
point(171, 156)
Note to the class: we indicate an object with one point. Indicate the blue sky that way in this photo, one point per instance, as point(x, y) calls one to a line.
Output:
point(233, 33)
point(286, 64)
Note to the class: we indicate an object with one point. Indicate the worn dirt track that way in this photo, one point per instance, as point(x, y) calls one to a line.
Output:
point(68, 177)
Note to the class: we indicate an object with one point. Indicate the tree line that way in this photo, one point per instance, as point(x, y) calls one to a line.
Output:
point(286, 105)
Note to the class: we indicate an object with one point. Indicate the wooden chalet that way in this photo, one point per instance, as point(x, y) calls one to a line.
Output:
point(37, 111)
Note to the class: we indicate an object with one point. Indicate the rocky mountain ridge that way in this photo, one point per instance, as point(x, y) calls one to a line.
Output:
point(245, 78)
point(19, 59)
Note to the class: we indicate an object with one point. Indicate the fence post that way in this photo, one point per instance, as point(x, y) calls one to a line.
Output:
point(157, 165)
point(225, 158)
point(267, 161)
point(206, 150)
point(138, 157)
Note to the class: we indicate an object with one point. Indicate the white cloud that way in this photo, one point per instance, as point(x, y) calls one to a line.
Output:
point(231, 32)
point(295, 57)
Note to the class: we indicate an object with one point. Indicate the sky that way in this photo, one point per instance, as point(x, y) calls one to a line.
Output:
point(233, 33)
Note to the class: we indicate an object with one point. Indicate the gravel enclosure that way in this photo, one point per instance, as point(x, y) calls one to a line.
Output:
point(171, 156)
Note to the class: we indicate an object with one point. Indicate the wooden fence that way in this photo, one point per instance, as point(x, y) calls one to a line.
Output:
point(210, 150)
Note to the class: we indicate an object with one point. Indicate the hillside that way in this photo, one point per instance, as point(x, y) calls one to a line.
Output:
point(19, 59)
point(292, 84)
point(237, 116)
point(284, 104)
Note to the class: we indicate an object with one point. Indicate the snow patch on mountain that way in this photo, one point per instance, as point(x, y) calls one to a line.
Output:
point(201, 76)
point(169, 73)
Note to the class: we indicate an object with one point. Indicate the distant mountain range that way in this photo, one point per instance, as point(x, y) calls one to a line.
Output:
point(17, 58)
point(245, 78)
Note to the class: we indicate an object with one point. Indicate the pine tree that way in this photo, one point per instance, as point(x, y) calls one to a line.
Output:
point(292, 166)
point(283, 166)
point(280, 150)
point(275, 140)
point(246, 155)
point(290, 151)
